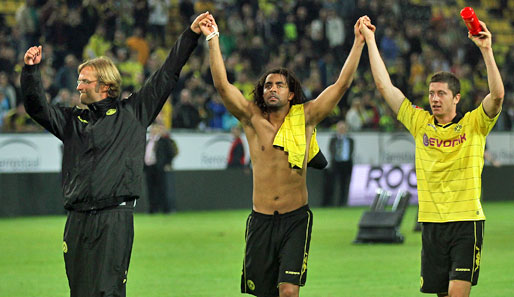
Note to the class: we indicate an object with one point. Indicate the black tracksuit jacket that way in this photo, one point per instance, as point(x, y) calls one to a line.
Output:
point(104, 145)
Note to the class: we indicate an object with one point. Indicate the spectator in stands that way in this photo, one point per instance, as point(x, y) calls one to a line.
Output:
point(17, 87)
point(244, 84)
point(8, 89)
point(318, 31)
point(256, 53)
point(387, 121)
point(217, 111)
point(7, 58)
point(66, 76)
point(118, 42)
point(388, 46)
point(490, 158)
point(80, 25)
point(236, 154)
point(27, 20)
point(187, 10)
point(159, 154)
point(140, 15)
point(98, 44)
point(335, 32)
point(301, 19)
point(53, 18)
point(130, 68)
point(341, 147)
point(229, 121)
point(432, 43)
point(137, 43)
point(5, 106)
point(17, 120)
point(158, 20)
point(290, 30)
point(204, 5)
point(356, 115)
point(185, 114)
point(63, 98)
point(370, 109)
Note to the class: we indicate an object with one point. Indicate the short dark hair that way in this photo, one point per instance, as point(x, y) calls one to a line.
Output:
point(449, 78)
point(293, 83)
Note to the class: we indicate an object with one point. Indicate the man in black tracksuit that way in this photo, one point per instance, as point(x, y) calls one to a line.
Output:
point(102, 165)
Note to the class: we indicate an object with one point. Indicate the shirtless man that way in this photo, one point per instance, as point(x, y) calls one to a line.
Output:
point(279, 227)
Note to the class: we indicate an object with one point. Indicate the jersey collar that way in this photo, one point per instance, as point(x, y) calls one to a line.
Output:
point(455, 120)
point(100, 107)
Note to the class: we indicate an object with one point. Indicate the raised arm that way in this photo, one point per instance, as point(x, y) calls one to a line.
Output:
point(493, 101)
point(232, 97)
point(148, 100)
point(393, 96)
point(47, 115)
point(318, 109)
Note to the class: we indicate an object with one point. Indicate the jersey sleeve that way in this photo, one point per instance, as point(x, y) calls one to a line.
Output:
point(51, 117)
point(483, 122)
point(148, 101)
point(412, 117)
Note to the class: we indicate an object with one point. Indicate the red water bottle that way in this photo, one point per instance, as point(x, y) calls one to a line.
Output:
point(471, 20)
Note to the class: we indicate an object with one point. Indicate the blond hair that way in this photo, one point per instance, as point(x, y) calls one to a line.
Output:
point(106, 73)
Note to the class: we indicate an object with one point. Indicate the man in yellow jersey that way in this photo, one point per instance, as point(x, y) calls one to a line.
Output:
point(449, 162)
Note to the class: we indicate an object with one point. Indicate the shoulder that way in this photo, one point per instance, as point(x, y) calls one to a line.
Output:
point(407, 108)
point(479, 118)
point(254, 115)
point(480, 112)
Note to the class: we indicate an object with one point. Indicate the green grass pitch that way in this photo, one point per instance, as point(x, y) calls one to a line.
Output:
point(195, 254)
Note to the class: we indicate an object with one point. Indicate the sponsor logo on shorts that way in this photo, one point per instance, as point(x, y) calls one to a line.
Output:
point(421, 282)
point(250, 285)
point(64, 247)
point(462, 269)
point(304, 265)
point(292, 272)
point(477, 258)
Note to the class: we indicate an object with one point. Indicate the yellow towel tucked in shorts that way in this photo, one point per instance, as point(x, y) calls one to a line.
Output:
point(291, 137)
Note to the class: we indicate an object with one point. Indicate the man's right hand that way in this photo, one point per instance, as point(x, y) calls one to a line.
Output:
point(366, 28)
point(195, 26)
point(208, 25)
point(33, 55)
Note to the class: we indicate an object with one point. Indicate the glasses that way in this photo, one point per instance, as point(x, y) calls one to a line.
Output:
point(85, 81)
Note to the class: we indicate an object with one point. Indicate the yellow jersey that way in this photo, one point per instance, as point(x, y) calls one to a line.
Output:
point(449, 163)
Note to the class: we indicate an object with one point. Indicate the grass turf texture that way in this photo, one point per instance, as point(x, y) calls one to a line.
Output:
point(198, 254)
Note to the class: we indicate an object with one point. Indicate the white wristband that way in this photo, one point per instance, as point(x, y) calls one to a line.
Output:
point(210, 36)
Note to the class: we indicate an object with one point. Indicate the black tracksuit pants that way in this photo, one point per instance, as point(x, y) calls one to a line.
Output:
point(97, 247)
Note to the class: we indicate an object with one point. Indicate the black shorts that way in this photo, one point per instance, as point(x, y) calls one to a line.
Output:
point(451, 251)
point(97, 247)
point(277, 249)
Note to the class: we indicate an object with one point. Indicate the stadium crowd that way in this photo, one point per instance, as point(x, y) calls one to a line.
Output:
point(312, 38)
